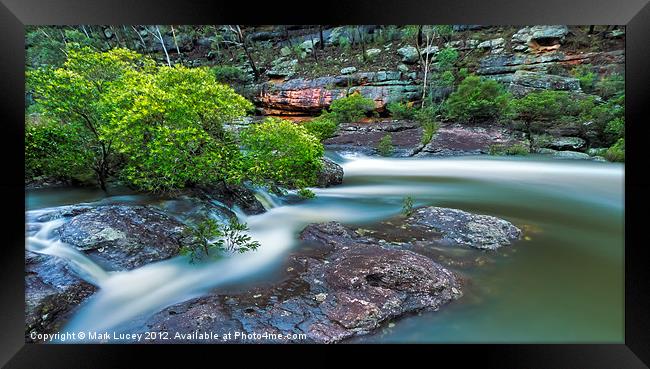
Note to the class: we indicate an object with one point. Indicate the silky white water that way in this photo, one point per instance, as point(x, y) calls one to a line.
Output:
point(563, 284)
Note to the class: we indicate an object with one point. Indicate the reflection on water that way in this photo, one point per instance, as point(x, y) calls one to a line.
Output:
point(563, 283)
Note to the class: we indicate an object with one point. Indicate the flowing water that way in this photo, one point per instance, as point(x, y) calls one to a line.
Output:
point(562, 283)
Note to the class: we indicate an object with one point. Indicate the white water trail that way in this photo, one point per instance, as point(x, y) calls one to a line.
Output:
point(130, 295)
point(43, 242)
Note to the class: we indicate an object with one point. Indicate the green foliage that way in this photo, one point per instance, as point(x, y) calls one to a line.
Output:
point(446, 58)
point(586, 76)
point(322, 127)
point(385, 146)
point(515, 149)
point(166, 122)
point(306, 193)
point(427, 117)
point(82, 93)
point(351, 108)
point(169, 126)
point(611, 86)
point(209, 239)
point(617, 151)
point(49, 46)
point(229, 74)
point(56, 150)
point(281, 152)
point(478, 99)
point(399, 110)
point(407, 206)
point(544, 105)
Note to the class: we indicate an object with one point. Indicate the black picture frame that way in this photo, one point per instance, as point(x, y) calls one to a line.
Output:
point(634, 14)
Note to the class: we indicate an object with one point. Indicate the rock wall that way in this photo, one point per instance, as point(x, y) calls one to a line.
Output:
point(531, 58)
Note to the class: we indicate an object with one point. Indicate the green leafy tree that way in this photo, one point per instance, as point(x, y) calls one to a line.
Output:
point(281, 152)
point(478, 99)
point(400, 110)
point(77, 93)
point(161, 125)
point(617, 151)
point(170, 128)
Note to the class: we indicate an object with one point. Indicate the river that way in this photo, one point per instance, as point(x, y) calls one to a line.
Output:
point(562, 283)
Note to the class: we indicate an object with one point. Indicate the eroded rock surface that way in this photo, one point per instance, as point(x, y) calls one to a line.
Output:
point(124, 237)
point(346, 285)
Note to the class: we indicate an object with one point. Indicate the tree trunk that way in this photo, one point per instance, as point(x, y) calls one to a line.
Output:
point(322, 42)
point(363, 46)
point(178, 51)
point(162, 42)
point(242, 41)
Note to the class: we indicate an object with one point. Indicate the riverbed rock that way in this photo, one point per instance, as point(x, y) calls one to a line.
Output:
point(566, 143)
point(331, 174)
point(341, 286)
point(457, 227)
point(364, 137)
point(121, 237)
point(234, 195)
point(567, 154)
point(52, 293)
point(461, 139)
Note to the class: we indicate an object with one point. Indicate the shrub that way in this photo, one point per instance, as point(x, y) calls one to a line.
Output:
point(617, 151)
point(477, 99)
point(611, 86)
point(427, 118)
point(229, 74)
point(351, 108)
point(322, 127)
point(586, 76)
point(281, 152)
point(407, 206)
point(385, 146)
point(399, 110)
point(306, 193)
point(208, 239)
point(515, 149)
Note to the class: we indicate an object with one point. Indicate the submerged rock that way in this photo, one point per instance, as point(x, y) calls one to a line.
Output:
point(346, 285)
point(331, 174)
point(459, 227)
point(124, 237)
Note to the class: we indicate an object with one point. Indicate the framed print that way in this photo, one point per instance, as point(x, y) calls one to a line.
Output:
point(437, 177)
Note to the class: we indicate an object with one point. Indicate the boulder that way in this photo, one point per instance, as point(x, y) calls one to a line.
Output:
point(52, 293)
point(282, 67)
point(372, 53)
point(331, 174)
point(409, 54)
point(457, 227)
point(121, 237)
point(571, 155)
point(495, 45)
point(348, 70)
point(364, 137)
point(540, 37)
point(566, 143)
point(342, 285)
